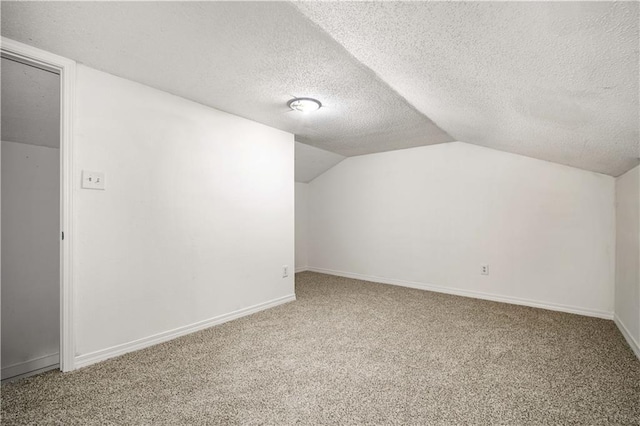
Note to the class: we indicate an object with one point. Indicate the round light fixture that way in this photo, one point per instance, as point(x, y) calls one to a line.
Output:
point(304, 105)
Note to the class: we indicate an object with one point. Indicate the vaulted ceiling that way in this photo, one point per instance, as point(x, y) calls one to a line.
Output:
point(30, 105)
point(554, 81)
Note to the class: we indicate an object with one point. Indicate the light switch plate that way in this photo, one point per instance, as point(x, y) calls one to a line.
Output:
point(92, 180)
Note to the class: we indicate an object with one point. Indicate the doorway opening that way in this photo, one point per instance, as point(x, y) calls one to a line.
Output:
point(30, 212)
point(36, 204)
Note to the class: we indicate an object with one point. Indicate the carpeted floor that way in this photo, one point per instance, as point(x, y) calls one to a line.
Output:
point(352, 352)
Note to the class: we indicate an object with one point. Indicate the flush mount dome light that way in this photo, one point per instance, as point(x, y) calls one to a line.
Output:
point(304, 105)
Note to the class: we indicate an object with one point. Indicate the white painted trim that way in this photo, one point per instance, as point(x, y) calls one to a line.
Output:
point(67, 69)
point(101, 355)
point(33, 366)
point(302, 269)
point(468, 293)
point(31, 373)
point(635, 346)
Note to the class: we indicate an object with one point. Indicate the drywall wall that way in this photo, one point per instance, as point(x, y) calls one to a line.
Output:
point(311, 162)
point(627, 288)
point(30, 257)
point(302, 227)
point(429, 217)
point(195, 223)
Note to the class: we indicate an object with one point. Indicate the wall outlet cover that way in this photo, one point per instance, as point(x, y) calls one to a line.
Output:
point(484, 269)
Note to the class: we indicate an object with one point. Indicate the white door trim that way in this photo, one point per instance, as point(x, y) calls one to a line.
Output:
point(67, 69)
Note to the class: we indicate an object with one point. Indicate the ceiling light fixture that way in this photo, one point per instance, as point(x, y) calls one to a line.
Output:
point(304, 105)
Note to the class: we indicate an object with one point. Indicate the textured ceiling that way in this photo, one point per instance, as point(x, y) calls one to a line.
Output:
point(311, 162)
point(246, 58)
point(555, 81)
point(30, 105)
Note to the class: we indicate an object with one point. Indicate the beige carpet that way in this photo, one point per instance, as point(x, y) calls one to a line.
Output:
point(352, 352)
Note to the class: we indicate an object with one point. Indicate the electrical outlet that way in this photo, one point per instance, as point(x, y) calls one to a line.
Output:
point(285, 271)
point(484, 269)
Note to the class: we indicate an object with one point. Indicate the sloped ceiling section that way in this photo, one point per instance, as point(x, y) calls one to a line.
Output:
point(556, 81)
point(311, 162)
point(246, 58)
point(30, 104)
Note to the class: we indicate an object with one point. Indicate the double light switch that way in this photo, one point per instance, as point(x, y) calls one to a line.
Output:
point(92, 180)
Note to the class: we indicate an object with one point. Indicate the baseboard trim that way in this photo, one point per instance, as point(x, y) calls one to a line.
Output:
point(468, 293)
point(302, 269)
point(114, 351)
point(635, 346)
point(34, 366)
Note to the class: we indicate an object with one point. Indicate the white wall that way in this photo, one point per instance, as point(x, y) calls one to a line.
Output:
point(30, 257)
point(196, 221)
point(311, 162)
point(302, 227)
point(430, 216)
point(627, 288)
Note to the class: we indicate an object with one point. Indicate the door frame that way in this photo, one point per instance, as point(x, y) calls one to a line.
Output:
point(67, 69)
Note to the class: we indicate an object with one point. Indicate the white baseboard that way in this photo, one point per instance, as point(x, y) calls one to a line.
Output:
point(301, 269)
point(468, 293)
point(34, 366)
point(635, 346)
point(101, 355)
